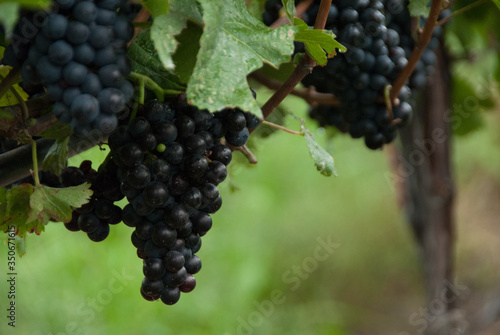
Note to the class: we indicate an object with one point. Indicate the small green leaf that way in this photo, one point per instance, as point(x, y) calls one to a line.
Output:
point(16, 205)
point(9, 11)
point(9, 14)
point(289, 7)
point(323, 160)
point(57, 157)
point(20, 245)
point(47, 202)
point(320, 44)
point(144, 60)
point(420, 8)
point(467, 107)
point(9, 99)
point(156, 7)
point(234, 44)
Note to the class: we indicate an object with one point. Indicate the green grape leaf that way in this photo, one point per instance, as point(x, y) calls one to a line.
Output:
point(320, 44)
point(9, 11)
point(20, 245)
point(323, 160)
point(15, 208)
point(9, 99)
point(57, 131)
point(47, 202)
point(144, 60)
point(289, 7)
point(419, 8)
point(185, 55)
point(3, 204)
point(467, 106)
point(57, 157)
point(156, 7)
point(234, 44)
point(497, 2)
point(167, 26)
point(9, 14)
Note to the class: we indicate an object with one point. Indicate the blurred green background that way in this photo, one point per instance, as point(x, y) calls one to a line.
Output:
point(265, 234)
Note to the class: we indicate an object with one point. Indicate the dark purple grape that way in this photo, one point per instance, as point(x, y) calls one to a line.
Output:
point(88, 223)
point(188, 285)
point(153, 268)
point(85, 12)
point(170, 295)
point(222, 154)
point(163, 236)
point(156, 194)
point(193, 266)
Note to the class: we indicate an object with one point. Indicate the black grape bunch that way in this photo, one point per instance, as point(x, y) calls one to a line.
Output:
point(426, 65)
point(95, 217)
point(170, 160)
point(77, 54)
point(378, 49)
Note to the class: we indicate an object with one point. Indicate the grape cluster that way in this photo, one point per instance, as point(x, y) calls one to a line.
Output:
point(95, 217)
point(170, 162)
point(78, 53)
point(378, 38)
point(425, 66)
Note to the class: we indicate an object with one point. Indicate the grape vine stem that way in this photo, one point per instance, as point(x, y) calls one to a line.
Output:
point(277, 126)
point(309, 94)
point(35, 162)
point(420, 47)
point(301, 8)
point(141, 17)
point(461, 11)
point(303, 69)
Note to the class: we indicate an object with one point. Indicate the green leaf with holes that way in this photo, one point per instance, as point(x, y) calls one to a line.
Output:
point(234, 44)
